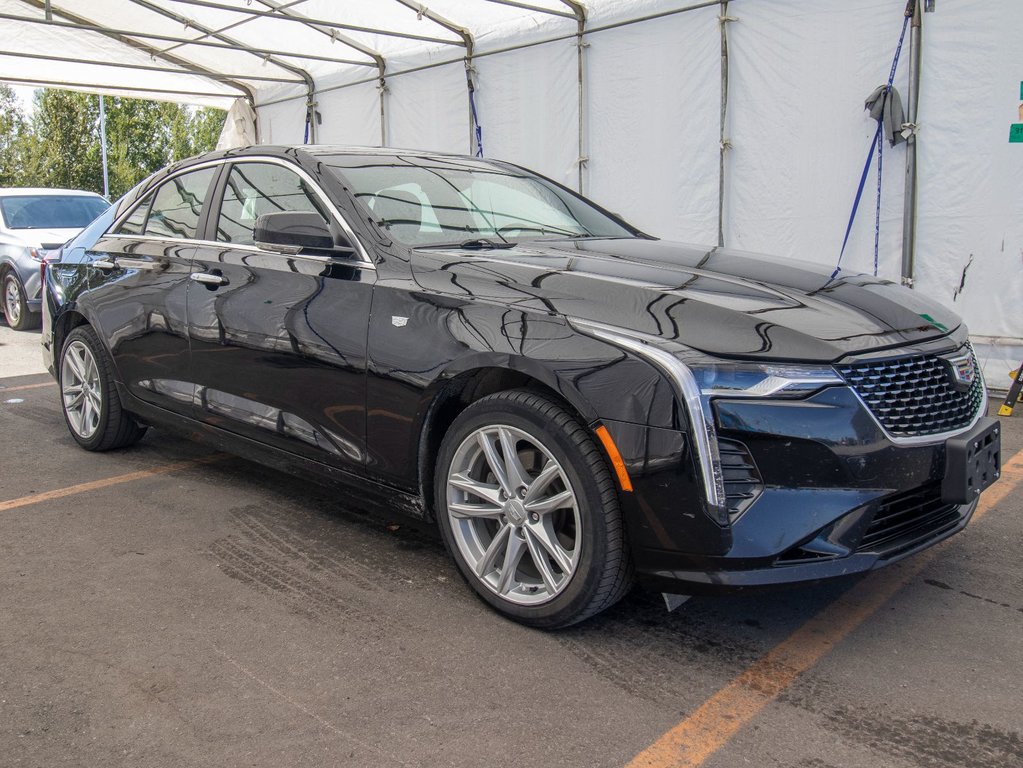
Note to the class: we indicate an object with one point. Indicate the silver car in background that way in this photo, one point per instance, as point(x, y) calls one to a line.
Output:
point(32, 222)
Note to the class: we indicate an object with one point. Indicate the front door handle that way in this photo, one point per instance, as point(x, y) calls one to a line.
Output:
point(208, 278)
point(104, 264)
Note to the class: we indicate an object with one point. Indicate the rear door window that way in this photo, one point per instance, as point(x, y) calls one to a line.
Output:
point(257, 188)
point(175, 208)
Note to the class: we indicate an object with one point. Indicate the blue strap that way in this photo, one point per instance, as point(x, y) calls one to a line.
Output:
point(875, 145)
point(877, 211)
point(476, 122)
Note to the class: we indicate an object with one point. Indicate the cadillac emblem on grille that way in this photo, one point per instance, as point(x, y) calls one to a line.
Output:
point(963, 370)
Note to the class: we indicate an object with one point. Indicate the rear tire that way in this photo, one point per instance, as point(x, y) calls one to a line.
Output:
point(519, 480)
point(89, 400)
point(19, 318)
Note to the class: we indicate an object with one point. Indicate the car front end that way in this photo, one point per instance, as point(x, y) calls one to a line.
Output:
point(803, 471)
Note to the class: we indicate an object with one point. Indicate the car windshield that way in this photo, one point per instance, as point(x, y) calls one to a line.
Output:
point(51, 211)
point(424, 201)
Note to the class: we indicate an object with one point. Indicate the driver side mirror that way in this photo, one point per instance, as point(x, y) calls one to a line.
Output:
point(295, 231)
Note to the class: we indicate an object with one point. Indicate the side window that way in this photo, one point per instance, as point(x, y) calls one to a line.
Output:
point(135, 223)
point(177, 205)
point(257, 188)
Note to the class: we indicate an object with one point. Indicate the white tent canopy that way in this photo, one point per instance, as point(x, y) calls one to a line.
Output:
point(737, 122)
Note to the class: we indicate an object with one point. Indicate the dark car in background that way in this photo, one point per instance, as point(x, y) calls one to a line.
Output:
point(32, 222)
point(576, 403)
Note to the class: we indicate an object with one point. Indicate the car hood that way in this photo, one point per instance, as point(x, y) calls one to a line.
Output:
point(39, 238)
point(720, 301)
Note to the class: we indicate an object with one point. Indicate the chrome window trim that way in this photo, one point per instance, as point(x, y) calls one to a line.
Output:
point(364, 259)
point(248, 248)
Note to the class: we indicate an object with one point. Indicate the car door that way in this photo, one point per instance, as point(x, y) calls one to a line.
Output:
point(278, 339)
point(138, 273)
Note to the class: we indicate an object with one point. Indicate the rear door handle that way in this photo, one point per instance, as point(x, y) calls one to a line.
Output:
point(208, 278)
point(122, 263)
point(156, 266)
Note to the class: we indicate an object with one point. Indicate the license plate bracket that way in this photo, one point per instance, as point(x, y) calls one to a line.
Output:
point(973, 462)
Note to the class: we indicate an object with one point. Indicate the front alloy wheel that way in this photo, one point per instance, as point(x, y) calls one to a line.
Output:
point(513, 514)
point(529, 512)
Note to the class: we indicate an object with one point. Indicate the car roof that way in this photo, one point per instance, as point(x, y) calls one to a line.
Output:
point(45, 191)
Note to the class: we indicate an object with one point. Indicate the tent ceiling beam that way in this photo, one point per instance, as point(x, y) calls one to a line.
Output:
point(467, 40)
point(67, 84)
point(309, 82)
point(272, 14)
point(231, 26)
point(218, 76)
point(534, 8)
point(121, 33)
point(79, 22)
point(333, 34)
point(187, 22)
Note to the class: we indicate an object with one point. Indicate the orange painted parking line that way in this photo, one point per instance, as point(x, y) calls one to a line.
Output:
point(4, 389)
point(713, 723)
point(73, 490)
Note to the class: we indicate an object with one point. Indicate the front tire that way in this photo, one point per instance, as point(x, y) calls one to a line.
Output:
point(19, 318)
point(528, 511)
point(92, 408)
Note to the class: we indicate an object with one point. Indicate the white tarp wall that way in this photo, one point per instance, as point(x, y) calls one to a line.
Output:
point(798, 134)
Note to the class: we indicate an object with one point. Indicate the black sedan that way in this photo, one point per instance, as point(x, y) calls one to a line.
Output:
point(575, 403)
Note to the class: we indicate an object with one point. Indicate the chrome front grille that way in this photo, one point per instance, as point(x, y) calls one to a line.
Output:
point(918, 395)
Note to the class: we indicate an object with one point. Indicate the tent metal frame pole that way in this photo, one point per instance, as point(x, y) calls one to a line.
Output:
point(335, 36)
point(234, 25)
point(320, 22)
point(97, 87)
point(310, 83)
point(724, 142)
point(185, 41)
point(538, 9)
point(210, 75)
point(909, 206)
point(579, 13)
point(509, 49)
point(78, 21)
point(467, 41)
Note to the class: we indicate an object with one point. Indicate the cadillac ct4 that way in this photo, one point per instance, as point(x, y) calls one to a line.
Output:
point(577, 404)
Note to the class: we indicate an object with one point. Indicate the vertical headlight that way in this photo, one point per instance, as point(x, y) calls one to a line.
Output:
point(699, 381)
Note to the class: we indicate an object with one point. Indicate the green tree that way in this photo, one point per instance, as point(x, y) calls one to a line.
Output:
point(65, 126)
point(59, 146)
point(13, 138)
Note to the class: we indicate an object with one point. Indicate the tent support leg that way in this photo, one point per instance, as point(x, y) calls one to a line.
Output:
point(909, 206)
point(724, 142)
point(581, 105)
point(382, 87)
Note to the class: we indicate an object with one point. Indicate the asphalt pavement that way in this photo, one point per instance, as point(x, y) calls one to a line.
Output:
point(166, 606)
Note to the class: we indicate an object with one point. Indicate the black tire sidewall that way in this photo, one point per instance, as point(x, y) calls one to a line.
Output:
point(579, 593)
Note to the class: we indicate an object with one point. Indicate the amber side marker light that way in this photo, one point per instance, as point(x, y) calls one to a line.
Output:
point(616, 458)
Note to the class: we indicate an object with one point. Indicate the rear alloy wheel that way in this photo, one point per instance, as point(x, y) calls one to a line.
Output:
point(92, 408)
point(528, 510)
point(16, 305)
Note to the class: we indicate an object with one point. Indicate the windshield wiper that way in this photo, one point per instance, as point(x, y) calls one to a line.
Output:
point(476, 244)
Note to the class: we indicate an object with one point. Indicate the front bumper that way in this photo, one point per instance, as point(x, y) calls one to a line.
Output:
point(825, 493)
